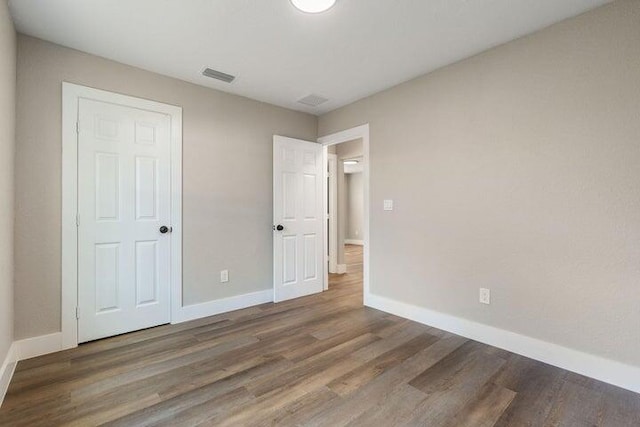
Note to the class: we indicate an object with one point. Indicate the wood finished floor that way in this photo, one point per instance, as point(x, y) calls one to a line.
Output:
point(319, 361)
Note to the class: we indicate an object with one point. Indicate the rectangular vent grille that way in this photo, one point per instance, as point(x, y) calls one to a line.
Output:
point(313, 100)
point(219, 75)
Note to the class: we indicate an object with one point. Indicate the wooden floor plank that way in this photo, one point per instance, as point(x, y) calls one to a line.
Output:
point(453, 383)
point(396, 407)
point(375, 367)
point(485, 408)
point(537, 386)
point(576, 405)
point(300, 410)
point(376, 392)
point(323, 360)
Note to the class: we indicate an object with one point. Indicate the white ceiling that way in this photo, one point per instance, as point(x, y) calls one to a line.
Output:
point(279, 54)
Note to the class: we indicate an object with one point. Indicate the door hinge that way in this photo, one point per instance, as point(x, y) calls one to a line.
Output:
point(77, 313)
point(77, 220)
point(77, 127)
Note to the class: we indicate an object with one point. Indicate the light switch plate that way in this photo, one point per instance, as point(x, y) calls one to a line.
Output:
point(388, 205)
point(485, 296)
point(224, 276)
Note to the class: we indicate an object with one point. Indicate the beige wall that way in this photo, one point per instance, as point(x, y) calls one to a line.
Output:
point(7, 147)
point(227, 163)
point(518, 170)
point(350, 149)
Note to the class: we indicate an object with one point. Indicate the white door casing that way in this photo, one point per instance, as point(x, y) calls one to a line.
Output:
point(332, 199)
point(122, 181)
point(298, 207)
point(361, 131)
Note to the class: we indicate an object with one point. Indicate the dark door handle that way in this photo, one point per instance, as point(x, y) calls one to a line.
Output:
point(164, 229)
point(279, 227)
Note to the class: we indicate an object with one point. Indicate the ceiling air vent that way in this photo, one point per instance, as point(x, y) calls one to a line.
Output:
point(219, 75)
point(313, 100)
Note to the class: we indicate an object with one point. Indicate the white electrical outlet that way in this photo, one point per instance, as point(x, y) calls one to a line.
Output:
point(485, 296)
point(224, 276)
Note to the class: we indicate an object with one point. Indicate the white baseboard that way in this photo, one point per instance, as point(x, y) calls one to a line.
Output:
point(211, 308)
point(354, 242)
point(26, 349)
point(6, 370)
point(599, 368)
point(341, 268)
point(38, 346)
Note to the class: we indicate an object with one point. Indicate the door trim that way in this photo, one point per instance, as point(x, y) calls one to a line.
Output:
point(71, 95)
point(333, 215)
point(361, 131)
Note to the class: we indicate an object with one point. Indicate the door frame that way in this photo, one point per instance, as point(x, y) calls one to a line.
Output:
point(332, 213)
point(357, 132)
point(71, 95)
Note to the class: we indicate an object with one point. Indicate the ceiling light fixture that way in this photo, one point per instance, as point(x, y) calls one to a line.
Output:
point(350, 162)
point(313, 6)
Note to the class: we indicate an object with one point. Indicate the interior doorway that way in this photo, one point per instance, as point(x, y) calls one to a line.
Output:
point(346, 157)
point(346, 209)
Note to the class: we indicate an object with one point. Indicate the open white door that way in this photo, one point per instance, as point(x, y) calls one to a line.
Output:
point(298, 218)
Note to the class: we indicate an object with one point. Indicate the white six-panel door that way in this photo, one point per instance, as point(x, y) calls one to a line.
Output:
point(298, 210)
point(124, 198)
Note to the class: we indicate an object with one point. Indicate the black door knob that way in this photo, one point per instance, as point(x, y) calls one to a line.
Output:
point(279, 227)
point(164, 229)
